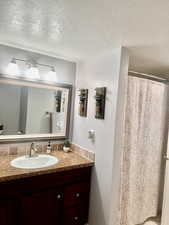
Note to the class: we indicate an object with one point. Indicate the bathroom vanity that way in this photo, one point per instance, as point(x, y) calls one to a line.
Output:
point(57, 196)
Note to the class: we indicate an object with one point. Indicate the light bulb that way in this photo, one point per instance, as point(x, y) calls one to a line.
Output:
point(51, 75)
point(33, 73)
point(13, 68)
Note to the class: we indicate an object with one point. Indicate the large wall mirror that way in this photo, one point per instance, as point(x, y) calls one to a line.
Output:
point(30, 110)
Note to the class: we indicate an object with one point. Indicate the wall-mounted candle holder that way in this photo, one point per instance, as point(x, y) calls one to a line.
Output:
point(100, 102)
point(58, 96)
point(83, 99)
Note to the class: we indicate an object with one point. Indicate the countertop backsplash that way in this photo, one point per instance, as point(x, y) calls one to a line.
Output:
point(23, 149)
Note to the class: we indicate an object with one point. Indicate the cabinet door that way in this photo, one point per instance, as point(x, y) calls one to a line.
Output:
point(42, 208)
point(7, 212)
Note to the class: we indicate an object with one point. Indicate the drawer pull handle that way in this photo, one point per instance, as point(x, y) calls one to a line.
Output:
point(76, 218)
point(77, 195)
point(58, 196)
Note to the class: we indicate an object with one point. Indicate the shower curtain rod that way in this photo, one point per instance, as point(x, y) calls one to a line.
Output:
point(148, 76)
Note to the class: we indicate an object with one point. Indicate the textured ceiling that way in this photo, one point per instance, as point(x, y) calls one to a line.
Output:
point(76, 29)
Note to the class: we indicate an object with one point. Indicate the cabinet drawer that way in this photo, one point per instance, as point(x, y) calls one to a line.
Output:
point(73, 216)
point(76, 194)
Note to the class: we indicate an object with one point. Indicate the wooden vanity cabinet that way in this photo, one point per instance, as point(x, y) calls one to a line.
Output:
point(7, 212)
point(60, 198)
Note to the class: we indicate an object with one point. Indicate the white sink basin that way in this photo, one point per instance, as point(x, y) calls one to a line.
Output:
point(37, 162)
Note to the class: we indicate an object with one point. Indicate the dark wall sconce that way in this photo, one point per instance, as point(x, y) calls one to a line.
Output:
point(100, 102)
point(83, 99)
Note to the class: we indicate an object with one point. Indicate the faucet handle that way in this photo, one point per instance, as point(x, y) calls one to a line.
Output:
point(36, 148)
point(33, 150)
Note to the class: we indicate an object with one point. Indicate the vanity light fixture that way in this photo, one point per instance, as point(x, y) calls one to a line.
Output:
point(32, 71)
point(13, 68)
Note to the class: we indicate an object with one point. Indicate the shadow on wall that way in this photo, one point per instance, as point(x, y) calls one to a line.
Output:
point(95, 196)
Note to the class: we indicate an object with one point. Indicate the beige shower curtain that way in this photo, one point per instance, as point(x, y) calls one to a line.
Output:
point(145, 124)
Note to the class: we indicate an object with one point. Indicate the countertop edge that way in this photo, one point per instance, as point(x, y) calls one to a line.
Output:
point(43, 172)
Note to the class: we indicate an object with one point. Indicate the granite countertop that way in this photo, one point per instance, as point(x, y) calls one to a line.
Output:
point(67, 161)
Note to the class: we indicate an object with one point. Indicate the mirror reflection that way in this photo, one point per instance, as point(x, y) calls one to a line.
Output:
point(32, 110)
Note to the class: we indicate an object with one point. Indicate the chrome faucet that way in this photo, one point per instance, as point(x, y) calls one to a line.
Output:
point(33, 150)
